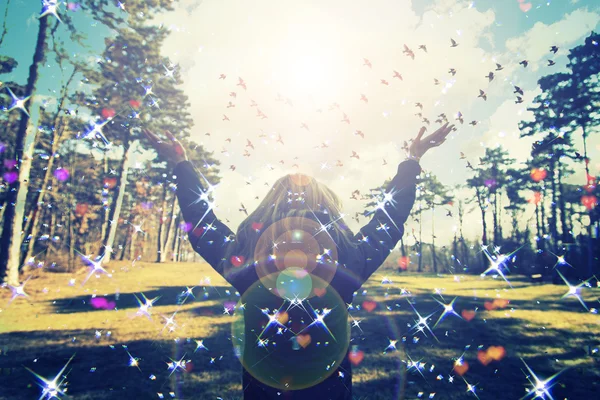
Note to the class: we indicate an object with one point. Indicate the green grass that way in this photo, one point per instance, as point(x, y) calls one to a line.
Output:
point(41, 332)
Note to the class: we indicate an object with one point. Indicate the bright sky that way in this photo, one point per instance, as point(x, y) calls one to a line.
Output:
point(312, 53)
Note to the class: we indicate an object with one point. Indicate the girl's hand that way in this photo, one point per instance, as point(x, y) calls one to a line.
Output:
point(420, 145)
point(171, 151)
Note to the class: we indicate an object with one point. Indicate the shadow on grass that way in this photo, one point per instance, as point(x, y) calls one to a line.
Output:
point(102, 370)
point(166, 295)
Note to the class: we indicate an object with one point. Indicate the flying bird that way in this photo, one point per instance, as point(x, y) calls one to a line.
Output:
point(228, 140)
point(462, 156)
point(346, 120)
point(459, 117)
point(490, 76)
point(426, 121)
point(408, 52)
point(233, 94)
point(554, 49)
point(246, 153)
point(249, 144)
point(304, 126)
point(448, 213)
point(222, 76)
point(453, 43)
point(253, 103)
point(524, 63)
point(518, 90)
point(419, 105)
point(482, 94)
point(474, 122)
point(551, 63)
point(423, 47)
point(279, 140)
point(384, 82)
point(230, 105)
point(225, 117)
point(367, 63)
point(364, 98)
point(519, 100)
point(360, 133)
point(241, 83)
point(452, 71)
point(397, 75)
point(232, 167)
point(354, 155)
point(339, 163)
point(384, 162)
point(243, 209)
point(436, 81)
point(499, 67)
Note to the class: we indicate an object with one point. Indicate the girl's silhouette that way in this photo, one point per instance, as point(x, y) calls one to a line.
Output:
point(296, 266)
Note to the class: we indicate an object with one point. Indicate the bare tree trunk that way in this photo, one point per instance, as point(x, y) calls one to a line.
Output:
point(106, 209)
point(124, 244)
point(179, 247)
point(483, 224)
point(420, 267)
point(168, 243)
point(115, 209)
point(132, 239)
point(433, 239)
point(543, 219)
point(161, 222)
point(51, 233)
point(177, 239)
point(71, 241)
point(32, 225)
point(495, 220)
point(402, 247)
point(2, 217)
point(10, 243)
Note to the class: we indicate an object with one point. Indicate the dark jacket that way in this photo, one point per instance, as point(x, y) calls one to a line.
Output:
point(374, 243)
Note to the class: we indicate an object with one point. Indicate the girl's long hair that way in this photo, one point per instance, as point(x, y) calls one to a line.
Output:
point(293, 195)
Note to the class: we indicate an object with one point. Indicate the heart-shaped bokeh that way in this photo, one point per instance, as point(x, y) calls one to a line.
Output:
point(468, 314)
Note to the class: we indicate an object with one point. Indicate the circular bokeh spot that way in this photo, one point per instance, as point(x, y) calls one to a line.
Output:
point(294, 283)
point(290, 344)
point(296, 243)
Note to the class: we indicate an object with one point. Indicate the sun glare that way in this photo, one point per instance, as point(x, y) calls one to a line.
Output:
point(308, 67)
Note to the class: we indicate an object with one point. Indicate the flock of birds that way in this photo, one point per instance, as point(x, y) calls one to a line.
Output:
point(441, 118)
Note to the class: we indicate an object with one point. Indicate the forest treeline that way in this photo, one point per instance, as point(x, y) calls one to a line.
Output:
point(73, 193)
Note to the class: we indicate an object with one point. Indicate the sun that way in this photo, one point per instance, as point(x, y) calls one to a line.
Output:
point(308, 65)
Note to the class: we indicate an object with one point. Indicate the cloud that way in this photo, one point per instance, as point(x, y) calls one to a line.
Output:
point(534, 44)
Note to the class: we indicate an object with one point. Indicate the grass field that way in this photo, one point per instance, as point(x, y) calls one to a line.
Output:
point(57, 321)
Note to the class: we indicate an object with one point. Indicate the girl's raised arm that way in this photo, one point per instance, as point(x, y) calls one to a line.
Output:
point(208, 236)
point(379, 237)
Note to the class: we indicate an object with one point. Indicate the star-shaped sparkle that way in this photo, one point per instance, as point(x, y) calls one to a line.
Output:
point(18, 102)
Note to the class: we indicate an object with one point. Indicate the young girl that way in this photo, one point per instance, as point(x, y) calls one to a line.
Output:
point(296, 266)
